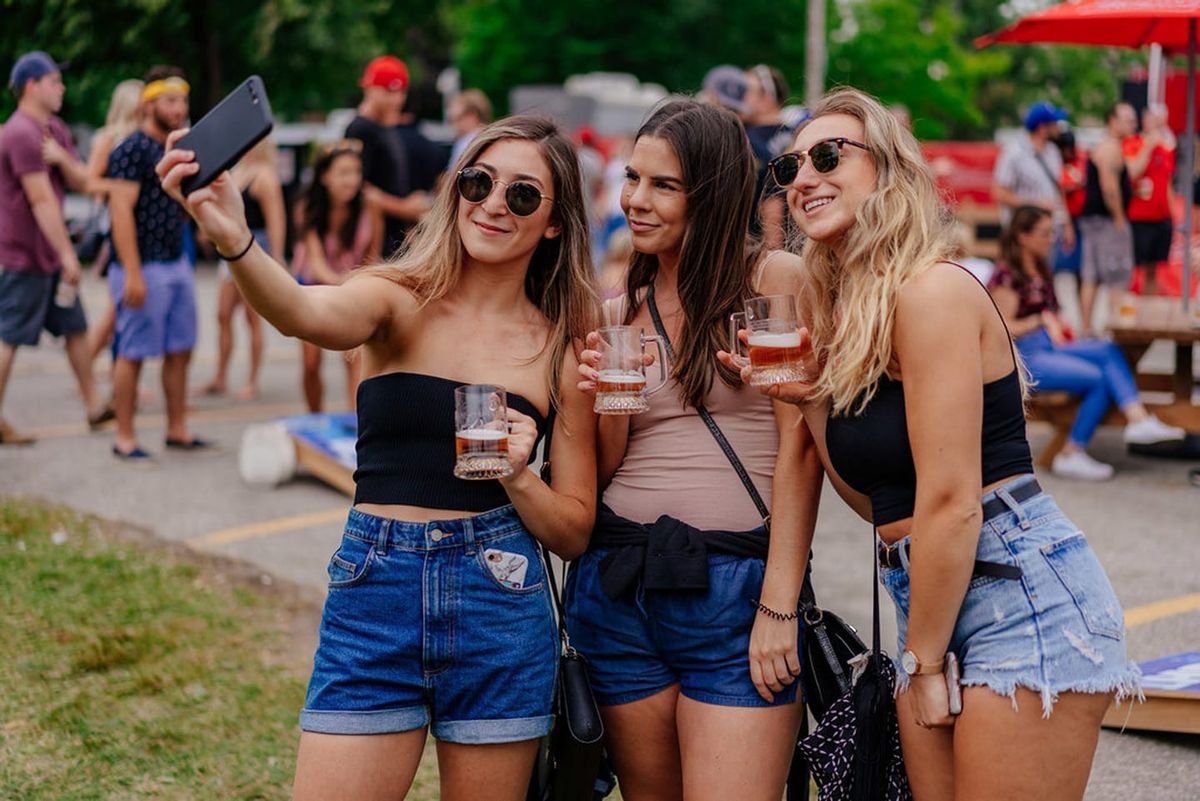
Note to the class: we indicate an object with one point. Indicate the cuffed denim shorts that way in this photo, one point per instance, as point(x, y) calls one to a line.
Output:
point(700, 640)
point(1059, 628)
point(419, 631)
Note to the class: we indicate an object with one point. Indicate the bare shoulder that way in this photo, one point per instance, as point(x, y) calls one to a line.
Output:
point(780, 273)
point(402, 300)
point(942, 294)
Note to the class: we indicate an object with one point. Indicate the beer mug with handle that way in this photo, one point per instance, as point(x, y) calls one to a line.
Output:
point(621, 387)
point(773, 347)
point(481, 432)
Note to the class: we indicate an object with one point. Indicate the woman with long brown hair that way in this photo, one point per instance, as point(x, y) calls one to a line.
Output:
point(692, 640)
point(438, 616)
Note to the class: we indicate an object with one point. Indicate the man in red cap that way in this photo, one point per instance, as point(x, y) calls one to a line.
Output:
point(386, 166)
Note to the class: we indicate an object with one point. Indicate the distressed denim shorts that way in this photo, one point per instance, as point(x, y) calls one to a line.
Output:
point(1059, 628)
point(639, 646)
point(446, 624)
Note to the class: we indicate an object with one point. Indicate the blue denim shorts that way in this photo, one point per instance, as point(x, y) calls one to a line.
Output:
point(445, 624)
point(1059, 628)
point(640, 646)
point(166, 322)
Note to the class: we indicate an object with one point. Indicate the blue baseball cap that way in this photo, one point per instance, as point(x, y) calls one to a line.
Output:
point(31, 67)
point(1041, 113)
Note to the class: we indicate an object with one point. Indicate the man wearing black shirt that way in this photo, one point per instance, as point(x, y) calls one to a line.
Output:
point(386, 164)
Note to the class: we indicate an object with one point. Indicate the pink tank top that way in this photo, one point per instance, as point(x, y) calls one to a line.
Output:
point(340, 258)
point(673, 466)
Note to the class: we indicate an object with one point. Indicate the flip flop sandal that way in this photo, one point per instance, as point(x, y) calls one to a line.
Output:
point(193, 444)
point(108, 414)
point(137, 456)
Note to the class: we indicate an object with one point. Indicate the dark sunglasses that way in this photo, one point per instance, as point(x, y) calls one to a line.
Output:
point(825, 155)
point(523, 199)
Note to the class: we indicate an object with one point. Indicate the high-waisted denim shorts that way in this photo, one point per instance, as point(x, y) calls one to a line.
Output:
point(700, 640)
point(1059, 628)
point(447, 624)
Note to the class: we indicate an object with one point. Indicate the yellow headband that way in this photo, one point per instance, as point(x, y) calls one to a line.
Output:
point(165, 86)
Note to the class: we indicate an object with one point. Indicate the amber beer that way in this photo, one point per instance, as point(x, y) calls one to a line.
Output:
point(774, 351)
point(481, 432)
point(773, 340)
point(620, 392)
point(482, 453)
point(621, 383)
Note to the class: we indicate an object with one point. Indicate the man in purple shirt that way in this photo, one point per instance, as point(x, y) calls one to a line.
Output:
point(39, 272)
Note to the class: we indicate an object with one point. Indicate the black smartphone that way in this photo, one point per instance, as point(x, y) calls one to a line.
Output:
point(227, 132)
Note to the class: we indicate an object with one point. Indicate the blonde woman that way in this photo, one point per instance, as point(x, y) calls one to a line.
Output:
point(257, 174)
point(916, 403)
point(419, 631)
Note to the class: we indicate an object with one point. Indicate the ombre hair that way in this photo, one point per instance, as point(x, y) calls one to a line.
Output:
point(716, 258)
point(900, 230)
point(559, 279)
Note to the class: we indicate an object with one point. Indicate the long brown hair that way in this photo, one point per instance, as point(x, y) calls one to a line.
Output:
point(1024, 219)
point(559, 279)
point(716, 260)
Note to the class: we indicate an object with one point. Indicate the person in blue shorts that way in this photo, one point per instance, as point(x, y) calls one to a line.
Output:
point(151, 282)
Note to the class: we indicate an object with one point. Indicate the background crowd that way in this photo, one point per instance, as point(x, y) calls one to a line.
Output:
point(1075, 223)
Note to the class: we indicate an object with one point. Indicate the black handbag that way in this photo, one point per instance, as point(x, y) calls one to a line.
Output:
point(854, 752)
point(829, 644)
point(571, 758)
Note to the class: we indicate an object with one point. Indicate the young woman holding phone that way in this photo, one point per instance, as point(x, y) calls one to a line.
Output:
point(420, 633)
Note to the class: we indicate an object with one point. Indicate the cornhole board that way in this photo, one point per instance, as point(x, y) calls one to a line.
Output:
point(1172, 687)
point(325, 446)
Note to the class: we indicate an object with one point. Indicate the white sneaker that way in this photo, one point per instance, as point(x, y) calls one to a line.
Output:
point(1150, 430)
point(1077, 464)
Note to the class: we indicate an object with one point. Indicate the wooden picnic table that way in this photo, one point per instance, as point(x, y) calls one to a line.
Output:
point(1163, 318)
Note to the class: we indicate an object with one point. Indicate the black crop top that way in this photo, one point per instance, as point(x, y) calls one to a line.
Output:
point(871, 451)
point(406, 445)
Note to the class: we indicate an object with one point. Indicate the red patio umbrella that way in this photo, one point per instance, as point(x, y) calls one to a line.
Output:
point(1124, 23)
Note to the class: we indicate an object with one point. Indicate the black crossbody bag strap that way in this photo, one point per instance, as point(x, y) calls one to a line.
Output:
point(713, 428)
point(555, 595)
point(807, 596)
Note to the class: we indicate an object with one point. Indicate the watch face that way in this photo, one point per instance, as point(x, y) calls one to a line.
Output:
point(908, 661)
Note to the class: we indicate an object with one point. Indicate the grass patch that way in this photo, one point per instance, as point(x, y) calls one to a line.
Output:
point(140, 672)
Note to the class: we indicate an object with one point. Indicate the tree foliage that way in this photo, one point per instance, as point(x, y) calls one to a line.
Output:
point(918, 53)
point(309, 52)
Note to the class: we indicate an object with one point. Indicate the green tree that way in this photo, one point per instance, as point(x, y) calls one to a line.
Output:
point(309, 52)
point(912, 56)
point(504, 43)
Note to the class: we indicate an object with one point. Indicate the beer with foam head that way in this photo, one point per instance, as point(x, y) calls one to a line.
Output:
point(481, 435)
point(621, 385)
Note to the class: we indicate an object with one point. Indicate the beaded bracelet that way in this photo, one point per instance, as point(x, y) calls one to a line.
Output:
point(774, 615)
point(245, 250)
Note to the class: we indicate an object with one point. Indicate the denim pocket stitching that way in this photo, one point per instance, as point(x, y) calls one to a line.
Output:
point(1054, 554)
point(528, 589)
point(359, 573)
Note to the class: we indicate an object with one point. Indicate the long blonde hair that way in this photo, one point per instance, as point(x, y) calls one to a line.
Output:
point(901, 230)
point(559, 279)
point(124, 109)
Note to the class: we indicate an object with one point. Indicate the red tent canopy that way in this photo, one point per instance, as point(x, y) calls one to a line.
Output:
point(1118, 23)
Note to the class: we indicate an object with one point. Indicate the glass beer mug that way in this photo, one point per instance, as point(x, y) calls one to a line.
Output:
point(773, 349)
point(481, 432)
point(621, 387)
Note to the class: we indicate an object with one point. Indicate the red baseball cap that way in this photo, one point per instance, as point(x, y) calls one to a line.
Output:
point(387, 72)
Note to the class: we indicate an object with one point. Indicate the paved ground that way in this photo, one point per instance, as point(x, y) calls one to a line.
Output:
point(1145, 525)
